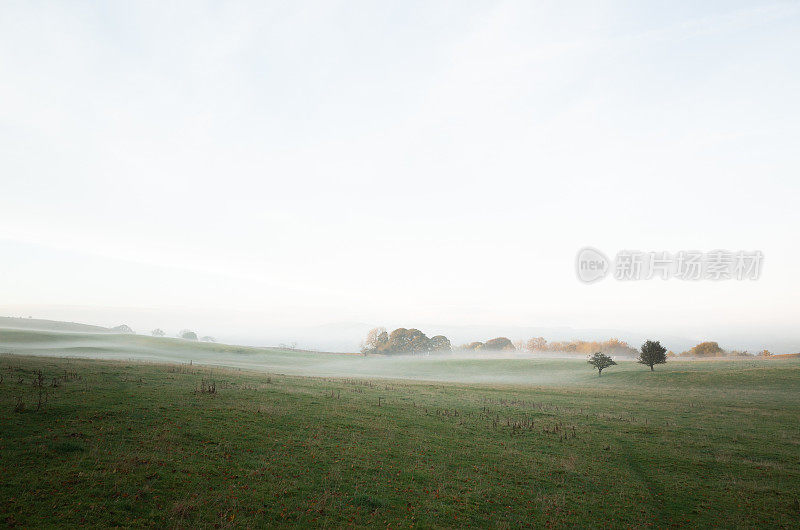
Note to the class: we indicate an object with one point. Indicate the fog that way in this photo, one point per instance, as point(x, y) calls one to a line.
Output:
point(496, 367)
point(457, 367)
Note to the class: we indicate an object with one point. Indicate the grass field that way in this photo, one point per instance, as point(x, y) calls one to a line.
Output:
point(455, 442)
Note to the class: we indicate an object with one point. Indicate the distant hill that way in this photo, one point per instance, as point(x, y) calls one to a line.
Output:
point(49, 325)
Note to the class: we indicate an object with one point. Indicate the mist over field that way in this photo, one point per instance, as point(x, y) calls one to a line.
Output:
point(526, 368)
point(462, 366)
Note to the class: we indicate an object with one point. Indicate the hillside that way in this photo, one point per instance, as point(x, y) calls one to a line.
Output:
point(49, 325)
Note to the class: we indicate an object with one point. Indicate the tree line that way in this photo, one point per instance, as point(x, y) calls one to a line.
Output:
point(713, 349)
point(404, 340)
point(612, 346)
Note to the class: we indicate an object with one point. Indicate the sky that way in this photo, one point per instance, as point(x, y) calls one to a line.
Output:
point(248, 166)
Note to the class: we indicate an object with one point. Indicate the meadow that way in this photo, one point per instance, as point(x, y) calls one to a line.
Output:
point(289, 438)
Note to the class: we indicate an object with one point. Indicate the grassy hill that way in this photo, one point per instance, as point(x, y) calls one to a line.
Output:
point(133, 444)
point(49, 325)
point(118, 431)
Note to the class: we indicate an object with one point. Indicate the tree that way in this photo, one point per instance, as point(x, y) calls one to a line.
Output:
point(158, 332)
point(499, 344)
point(652, 353)
point(440, 343)
point(122, 328)
point(376, 339)
point(417, 341)
point(188, 334)
point(537, 344)
point(600, 360)
point(706, 349)
point(764, 353)
point(404, 340)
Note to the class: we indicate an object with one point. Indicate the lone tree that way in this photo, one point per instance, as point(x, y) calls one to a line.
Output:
point(652, 353)
point(158, 332)
point(600, 360)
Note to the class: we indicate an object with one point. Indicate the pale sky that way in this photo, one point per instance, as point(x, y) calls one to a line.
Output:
point(398, 163)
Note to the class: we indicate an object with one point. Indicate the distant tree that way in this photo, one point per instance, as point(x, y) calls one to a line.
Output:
point(765, 353)
point(158, 332)
point(705, 349)
point(537, 344)
point(477, 345)
point(440, 343)
point(600, 360)
point(619, 347)
point(122, 328)
point(188, 334)
point(404, 340)
point(420, 343)
point(208, 339)
point(499, 344)
point(652, 353)
point(376, 339)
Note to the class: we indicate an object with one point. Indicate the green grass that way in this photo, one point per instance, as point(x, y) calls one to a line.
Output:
point(130, 444)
